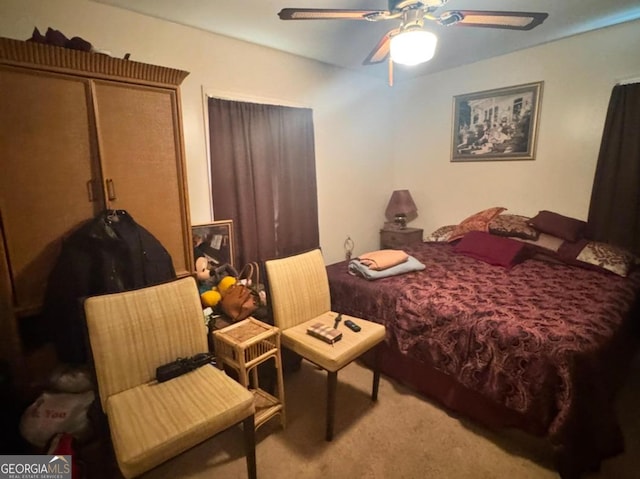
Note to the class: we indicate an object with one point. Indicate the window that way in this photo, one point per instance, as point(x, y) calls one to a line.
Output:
point(263, 177)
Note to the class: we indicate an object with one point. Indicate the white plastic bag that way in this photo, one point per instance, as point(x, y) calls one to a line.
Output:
point(71, 379)
point(53, 413)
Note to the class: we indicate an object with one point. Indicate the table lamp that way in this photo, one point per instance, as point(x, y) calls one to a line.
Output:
point(401, 208)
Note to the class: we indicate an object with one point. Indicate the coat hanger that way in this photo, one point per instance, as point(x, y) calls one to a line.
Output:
point(112, 216)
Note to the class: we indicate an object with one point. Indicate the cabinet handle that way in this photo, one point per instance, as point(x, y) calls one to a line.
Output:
point(90, 192)
point(111, 190)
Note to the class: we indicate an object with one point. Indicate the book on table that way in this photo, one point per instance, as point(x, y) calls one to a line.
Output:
point(325, 333)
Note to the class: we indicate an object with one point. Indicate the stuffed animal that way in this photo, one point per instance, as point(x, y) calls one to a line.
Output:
point(225, 283)
point(203, 275)
point(213, 283)
point(209, 296)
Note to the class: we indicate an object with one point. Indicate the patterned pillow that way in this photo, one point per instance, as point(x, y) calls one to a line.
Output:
point(477, 222)
point(513, 225)
point(442, 234)
point(608, 257)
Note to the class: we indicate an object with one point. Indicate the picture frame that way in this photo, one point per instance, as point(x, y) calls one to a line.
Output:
point(215, 241)
point(498, 124)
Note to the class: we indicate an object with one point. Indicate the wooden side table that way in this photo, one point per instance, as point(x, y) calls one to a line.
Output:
point(398, 238)
point(243, 346)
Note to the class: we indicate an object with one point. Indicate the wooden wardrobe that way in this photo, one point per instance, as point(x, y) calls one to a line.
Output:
point(79, 133)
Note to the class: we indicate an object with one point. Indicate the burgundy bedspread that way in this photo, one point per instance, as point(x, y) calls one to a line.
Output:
point(543, 339)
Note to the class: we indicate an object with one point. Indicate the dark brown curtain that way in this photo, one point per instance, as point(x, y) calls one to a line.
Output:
point(264, 177)
point(614, 212)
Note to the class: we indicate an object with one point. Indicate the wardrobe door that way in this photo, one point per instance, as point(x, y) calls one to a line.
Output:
point(139, 138)
point(46, 174)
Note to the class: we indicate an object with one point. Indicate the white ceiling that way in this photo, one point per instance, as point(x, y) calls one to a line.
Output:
point(347, 43)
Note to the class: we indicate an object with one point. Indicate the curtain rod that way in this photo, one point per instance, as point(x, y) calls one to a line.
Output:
point(627, 81)
point(248, 98)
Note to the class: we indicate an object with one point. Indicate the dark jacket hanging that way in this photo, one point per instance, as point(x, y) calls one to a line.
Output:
point(109, 253)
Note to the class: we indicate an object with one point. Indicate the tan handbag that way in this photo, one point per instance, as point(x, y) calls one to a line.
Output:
point(250, 276)
point(238, 302)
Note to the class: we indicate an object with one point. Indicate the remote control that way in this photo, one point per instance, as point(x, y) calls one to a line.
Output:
point(352, 326)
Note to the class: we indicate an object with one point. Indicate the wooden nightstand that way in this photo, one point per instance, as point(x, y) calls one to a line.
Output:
point(397, 238)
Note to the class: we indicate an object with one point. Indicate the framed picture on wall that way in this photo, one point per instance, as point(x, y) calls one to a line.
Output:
point(498, 124)
point(214, 241)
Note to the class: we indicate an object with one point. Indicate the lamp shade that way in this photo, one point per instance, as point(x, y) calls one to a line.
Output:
point(400, 204)
point(413, 46)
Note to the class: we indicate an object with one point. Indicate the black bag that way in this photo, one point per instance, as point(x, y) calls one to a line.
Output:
point(182, 365)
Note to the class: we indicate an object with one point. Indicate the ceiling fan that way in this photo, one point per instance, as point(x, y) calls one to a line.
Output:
point(412, 15)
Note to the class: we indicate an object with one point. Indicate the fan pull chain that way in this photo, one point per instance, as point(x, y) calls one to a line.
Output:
point(390, 71)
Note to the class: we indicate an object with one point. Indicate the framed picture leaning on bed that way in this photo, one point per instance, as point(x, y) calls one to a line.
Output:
point(498, 124)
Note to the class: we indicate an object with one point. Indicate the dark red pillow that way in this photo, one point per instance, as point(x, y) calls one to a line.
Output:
point(491, 249)
point(555, 224)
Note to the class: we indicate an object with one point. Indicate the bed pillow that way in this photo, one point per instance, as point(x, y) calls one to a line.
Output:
point(476, 222)
point(496, 250)
point(555, 224)
point(599, 256)
point(514, 226)
point(442, 234)
point(545, 244)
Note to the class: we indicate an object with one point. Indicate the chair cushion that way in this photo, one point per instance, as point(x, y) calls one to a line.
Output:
point(193, 407)
point(333, 357)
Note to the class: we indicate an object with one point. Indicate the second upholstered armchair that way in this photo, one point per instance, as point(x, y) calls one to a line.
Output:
point(300, 297)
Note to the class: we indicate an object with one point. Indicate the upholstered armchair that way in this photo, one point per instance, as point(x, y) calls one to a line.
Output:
point(300, 297)
point(131, 334)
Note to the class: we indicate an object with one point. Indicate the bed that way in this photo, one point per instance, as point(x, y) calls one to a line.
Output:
point(541, 346)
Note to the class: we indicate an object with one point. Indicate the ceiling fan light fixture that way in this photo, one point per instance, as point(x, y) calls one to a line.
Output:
point(413, 46)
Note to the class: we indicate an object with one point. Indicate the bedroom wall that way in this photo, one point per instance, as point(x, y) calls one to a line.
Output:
point(357, 149)
point(353, 148)
point(578, 74)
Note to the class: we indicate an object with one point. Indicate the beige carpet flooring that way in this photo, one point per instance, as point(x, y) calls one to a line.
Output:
point(401, 436)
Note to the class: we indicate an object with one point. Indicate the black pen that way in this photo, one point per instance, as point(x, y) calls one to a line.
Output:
point(338, 319)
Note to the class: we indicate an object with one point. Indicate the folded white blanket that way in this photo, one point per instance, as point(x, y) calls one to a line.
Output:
point(357, 268)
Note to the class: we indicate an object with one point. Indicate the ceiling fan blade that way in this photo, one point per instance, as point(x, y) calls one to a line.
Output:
point(328, 14)
point(381, 50)
point(488, 19)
